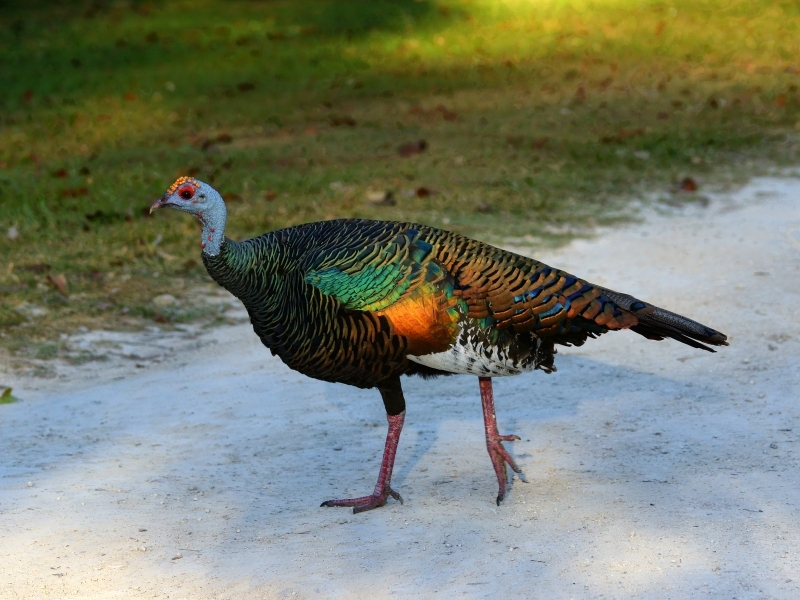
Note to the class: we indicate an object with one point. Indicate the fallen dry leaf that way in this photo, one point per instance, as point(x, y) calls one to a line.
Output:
point(345, 121)
point(423, 192)
point(60, 173)
point(447, 115)
point(222, 138)
point(270, 196)
point(74, 192)
point(688, 185)
point(412, 148)
point(59, 282)
point(387, 200)
point(36, 267)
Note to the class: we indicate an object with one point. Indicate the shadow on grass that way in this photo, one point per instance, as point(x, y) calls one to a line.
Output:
point(539, 119)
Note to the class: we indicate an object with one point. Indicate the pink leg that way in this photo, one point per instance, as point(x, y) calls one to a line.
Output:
point(494, 441)
point(383, 487)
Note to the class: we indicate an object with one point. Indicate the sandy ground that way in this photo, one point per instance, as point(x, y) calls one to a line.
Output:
point(654, 470)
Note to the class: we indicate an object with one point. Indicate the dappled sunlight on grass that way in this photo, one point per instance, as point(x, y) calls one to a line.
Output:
point(538, 119)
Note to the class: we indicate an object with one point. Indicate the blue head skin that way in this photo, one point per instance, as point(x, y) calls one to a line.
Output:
point(204, 202)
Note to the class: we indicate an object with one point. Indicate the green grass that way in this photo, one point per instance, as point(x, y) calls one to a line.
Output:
point(540, 118)
point(6, 397)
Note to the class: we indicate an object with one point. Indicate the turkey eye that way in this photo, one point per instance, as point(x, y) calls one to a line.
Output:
point(186, 194)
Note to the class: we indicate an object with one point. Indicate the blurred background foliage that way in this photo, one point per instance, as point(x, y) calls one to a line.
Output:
point(498, 118)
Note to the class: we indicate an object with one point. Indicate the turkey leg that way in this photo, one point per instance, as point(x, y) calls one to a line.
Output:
point(392, 395)
point(494, 441)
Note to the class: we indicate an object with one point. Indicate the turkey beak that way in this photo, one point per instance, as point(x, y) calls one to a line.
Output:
point(159, 203)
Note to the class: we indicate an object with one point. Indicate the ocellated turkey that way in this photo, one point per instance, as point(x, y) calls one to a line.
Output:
point(363, 302)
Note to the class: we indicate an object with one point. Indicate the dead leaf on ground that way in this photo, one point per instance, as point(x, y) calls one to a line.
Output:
point(129, 96)
point(387, 200)
point(231, 197)
point(447, 115)
point(222, 138)
point(270, 196)
point(423, 192)
point(540, 143)
point(688, 184)
point(59, 282)
point(342, 121)
point(36, 268)
point(624, 134)
point(412, 148)
point(74, 192)
point(60, 173)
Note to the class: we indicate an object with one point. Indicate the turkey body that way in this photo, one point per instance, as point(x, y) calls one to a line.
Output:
point(361, 302)
point(364, 302)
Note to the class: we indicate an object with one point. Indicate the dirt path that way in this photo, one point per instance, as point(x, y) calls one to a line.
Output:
point(654, 470)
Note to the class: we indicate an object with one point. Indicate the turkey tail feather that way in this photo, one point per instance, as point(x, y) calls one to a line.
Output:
point(656, 323)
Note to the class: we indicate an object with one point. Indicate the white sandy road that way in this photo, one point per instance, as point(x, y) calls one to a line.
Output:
point(654, 470)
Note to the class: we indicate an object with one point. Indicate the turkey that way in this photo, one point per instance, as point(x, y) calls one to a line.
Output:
point(363, 302)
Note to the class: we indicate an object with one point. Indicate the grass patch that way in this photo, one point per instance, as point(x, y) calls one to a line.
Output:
point(538, 119)
point(6, 397)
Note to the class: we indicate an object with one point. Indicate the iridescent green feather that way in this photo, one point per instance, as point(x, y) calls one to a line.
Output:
point(373, 287)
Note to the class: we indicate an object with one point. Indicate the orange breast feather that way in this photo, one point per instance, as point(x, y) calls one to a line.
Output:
point(426, 317)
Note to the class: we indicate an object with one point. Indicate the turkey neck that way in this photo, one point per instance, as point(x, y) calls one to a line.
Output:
point(213, 217)
point(244, 268)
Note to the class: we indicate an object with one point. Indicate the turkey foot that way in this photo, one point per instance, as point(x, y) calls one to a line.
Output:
point(365, 502)
point(494, 441)
point(383, 488)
